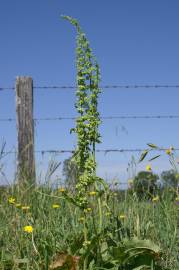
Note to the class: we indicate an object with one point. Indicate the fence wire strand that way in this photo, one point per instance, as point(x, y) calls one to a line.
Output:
point(59, 118)
point(119, 86)
point(105, 151)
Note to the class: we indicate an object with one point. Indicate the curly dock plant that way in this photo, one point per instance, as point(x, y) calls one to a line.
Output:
point(88, 77)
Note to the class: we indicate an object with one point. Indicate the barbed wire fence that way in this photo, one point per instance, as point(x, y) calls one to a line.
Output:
point(119, 86)
point(59, 118)
point(108, 117)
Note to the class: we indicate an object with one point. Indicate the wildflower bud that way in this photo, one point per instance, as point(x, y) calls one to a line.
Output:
point(122, 216)
point(168, 151)
point(155, 199)
point(148, 168)
point(87, 210)
point(86, 243)
point(92, 193)
point(25, 207)
point(81, 219)
point(55, 206)
point(61, 190)
point(130, 182)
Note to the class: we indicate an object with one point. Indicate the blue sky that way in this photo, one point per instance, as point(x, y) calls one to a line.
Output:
point(135, 42)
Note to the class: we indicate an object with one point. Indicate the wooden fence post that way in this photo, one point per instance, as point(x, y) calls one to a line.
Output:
point(25, 130)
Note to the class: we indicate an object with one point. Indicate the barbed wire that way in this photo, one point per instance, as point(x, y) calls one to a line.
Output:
point(105, 151)
point(102, 117)
point(120, 86)
point(6, 88)
point(110, 86)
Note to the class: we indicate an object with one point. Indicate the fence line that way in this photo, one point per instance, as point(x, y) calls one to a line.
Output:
point(105, 151)
point(25, 121)
point(129, 86)
point(102, 117)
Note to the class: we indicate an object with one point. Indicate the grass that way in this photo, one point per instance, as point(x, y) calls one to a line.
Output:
point(60, 229)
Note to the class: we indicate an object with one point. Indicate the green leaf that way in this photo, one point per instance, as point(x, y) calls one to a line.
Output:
point(152, 145)
point(154, 157)
point(142, 244)
point(143, 155)
point(142, 267)
point(102, 182)
point(136, 253)
point(21, 261)
point(72, 130)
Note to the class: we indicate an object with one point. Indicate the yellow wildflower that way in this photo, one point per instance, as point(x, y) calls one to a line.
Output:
point(122, 216)
point(92, 193)
point(55, 206)
point(61, 190)
point(28, 229)
point(168, 151)
point(25, 207)
point(87, 210)
point(11, 200)
point(18, 205)
point(155, 199)
point(148, 168)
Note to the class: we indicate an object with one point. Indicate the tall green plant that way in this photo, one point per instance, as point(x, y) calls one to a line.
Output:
point(88, 77)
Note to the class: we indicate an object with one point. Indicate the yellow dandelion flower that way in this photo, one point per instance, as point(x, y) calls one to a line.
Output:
point(55, 206)
point(148, 168)
point(155, 199)
point(61, 190)
point(122, 216)
point(92, 193)
point(18, 205)
point(25, 207)
point(11, 200)
point(28, 229)
point(168, 151)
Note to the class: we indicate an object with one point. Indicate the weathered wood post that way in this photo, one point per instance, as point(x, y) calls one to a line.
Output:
point(25, 131)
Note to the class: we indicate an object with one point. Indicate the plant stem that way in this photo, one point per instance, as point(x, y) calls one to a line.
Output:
point(85, 230)
point(99, 199)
